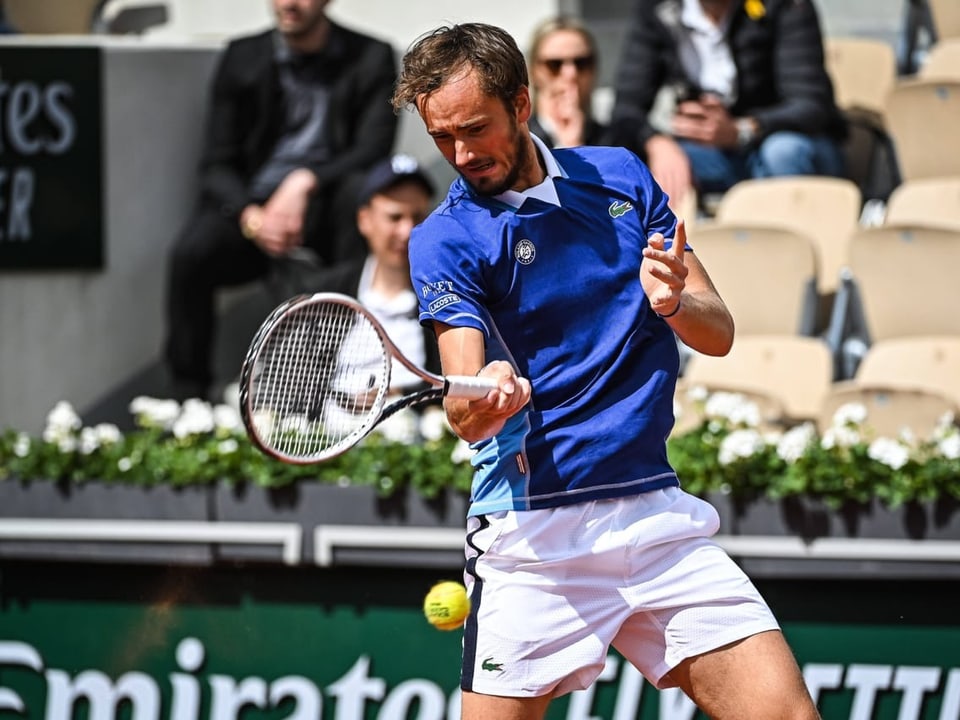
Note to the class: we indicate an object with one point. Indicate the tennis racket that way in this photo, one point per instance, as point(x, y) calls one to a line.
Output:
point(316, 379)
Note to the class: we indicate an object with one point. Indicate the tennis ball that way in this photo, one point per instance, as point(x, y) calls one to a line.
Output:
point(446, 606)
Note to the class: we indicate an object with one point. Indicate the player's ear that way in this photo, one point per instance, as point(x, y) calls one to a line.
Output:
point(522, 104)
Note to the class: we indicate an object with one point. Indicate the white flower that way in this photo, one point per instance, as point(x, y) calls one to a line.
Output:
point(462, 452)
point(840, 436)
point(850, 415)
point(227, 418)
point(88, 440)
point(108, 433)
point(196, 418)
point(697, 393)
point(63, 418)
point(124, 464)
point(739, 444)
point(734, 408)
point(295, 424)
point(152, 412)
point(891, 453)
point(62, 422)
point(400, 428)
point(21, 446)
point(225, 447)
point(263, 421)
point(795, 441)
point(949, 446)
point(433, 424)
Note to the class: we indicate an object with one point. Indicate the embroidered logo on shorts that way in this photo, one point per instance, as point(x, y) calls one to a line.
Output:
point(618, 208)
point(489, 665)
point(524, 252)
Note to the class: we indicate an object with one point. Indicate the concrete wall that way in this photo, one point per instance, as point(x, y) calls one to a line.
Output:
point(72, 335)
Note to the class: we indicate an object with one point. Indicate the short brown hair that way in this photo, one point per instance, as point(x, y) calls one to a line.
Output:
point(440, 54)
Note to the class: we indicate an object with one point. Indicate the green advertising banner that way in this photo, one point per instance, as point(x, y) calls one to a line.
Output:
point(81, 642)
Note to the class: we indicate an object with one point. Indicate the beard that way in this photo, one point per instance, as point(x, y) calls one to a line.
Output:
point(521, 155)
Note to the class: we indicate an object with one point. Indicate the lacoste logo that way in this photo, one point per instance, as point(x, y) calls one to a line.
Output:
point(618, 208)
point(490, 666)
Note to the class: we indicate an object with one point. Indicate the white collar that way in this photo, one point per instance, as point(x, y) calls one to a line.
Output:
point(545, 191)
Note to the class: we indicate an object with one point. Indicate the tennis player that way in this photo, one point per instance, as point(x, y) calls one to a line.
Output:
point(553, 272)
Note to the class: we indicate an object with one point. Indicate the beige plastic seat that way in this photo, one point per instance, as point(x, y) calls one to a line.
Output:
point(793, 372)
point(946, 18)
point(767, 276)
point(906, 279)
point(825, 209)
point(942, 61)
point(863, 72)
point(927, 363)
point(930, 202)
point(70, 17)
point(891, 411)
point(922, 118)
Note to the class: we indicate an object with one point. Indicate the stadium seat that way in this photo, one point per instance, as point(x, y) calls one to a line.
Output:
point(926, 202)
point(863, 72)
point(824, 209)
point(901, 283)
point(922, 120)
point(792, 372)
point(766, 275)
point(891, 411)
point(942, 61)
point(946, 18)
point(929, 363)
point(909, 382)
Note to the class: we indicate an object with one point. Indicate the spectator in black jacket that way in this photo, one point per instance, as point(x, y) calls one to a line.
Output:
point(298, 114)
point(745, 88)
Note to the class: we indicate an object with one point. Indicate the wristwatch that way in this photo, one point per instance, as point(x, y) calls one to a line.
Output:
point(251, 226)
point(746, 131)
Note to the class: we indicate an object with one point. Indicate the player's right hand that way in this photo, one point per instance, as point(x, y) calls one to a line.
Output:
point(476, 420)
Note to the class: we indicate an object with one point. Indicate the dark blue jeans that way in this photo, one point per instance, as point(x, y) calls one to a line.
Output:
point(780, 153)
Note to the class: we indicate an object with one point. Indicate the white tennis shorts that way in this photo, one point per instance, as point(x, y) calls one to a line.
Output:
point(553, 589)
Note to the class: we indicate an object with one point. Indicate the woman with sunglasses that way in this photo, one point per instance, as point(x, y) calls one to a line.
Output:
point(563, 72)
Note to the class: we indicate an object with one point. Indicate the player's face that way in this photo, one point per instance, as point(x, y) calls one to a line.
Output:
point(481, 138)
point(386, 222)
point(297, 18)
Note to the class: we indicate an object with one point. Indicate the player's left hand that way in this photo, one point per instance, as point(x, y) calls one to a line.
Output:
point(663, 273)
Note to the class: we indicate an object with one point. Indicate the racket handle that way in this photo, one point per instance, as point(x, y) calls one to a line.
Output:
point(468, 386)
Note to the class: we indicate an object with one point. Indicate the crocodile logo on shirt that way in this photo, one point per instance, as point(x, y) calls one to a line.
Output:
point(490, 666)
point(619, 208)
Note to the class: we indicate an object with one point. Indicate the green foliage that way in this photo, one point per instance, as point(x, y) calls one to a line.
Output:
point(719, 455)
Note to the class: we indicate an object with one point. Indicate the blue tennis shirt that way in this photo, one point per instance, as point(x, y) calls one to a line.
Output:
point(553, 283)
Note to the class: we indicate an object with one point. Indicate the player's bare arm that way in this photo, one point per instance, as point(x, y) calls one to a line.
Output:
point(462, 353)
point(678, 286)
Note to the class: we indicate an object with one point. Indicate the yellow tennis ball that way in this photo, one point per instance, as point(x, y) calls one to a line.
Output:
point(446, 606)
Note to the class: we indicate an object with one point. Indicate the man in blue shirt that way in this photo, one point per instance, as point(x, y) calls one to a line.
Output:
point(551, 272)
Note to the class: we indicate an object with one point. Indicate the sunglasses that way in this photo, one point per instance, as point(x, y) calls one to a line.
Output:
point(581, 63)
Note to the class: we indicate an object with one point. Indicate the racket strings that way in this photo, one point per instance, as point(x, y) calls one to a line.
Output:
point(320, 381)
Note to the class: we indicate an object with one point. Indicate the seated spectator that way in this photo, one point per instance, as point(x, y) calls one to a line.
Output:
point(563, 71)
point(297, 115)
point(395, 196)
point(750, 95)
